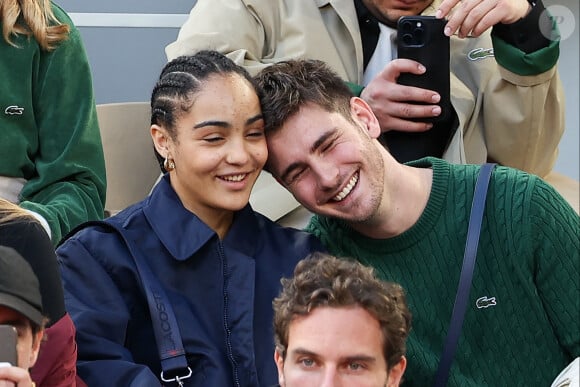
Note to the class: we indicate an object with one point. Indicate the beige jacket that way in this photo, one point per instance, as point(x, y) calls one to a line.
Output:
point(515, 120)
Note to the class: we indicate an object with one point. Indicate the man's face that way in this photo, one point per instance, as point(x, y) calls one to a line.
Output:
point(336, 347)
point(332, 165)
point(389, 11)
point(28, 344)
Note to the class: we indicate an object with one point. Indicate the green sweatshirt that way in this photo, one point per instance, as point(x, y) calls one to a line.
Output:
point(49, 133)
point(522, 324)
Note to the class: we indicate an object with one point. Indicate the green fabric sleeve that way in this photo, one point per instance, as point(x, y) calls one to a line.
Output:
point(518, 62)
point(68, 187)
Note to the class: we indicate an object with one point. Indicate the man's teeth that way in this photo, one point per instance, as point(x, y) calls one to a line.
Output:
point(346, 190)
point(234, 177)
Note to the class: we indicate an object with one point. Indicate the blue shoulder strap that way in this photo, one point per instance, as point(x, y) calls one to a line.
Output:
point(473, 230)
point(169, 344)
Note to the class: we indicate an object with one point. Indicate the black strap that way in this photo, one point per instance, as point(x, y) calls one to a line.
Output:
point(167, 335)
point(473, 230)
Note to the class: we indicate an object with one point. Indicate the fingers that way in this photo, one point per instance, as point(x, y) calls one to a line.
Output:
point(397, 107)
point(14, 376)
point(470, 17)
point(474, 17)
point(445, 8)
point(394, 68)
point(405, 116)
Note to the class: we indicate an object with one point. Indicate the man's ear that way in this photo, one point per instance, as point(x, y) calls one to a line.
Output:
point(36, 341)
point(279, 359)
point(160, 138)
point(396, 373)
point(362, 113)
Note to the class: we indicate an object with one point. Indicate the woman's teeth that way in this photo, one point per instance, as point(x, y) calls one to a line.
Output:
point(234, 177)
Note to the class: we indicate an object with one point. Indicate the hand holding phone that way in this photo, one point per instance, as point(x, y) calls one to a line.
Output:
point(421, 39)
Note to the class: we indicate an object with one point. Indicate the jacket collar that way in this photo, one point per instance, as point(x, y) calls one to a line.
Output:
point(183, 233)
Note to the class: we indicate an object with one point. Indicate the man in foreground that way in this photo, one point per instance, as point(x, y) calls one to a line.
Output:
point(410, 223)
point(336, 324)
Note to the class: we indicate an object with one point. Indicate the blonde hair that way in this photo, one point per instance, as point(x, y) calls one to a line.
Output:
point(10, 212)
point(32, 17)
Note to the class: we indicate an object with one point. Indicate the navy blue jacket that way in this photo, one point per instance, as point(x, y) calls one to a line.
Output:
point(221, 293)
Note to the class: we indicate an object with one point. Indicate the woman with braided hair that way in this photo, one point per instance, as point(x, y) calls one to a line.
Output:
point(51, 156)
point(218, 262)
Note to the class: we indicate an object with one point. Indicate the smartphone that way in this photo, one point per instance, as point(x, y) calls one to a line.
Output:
point(8, 354)
point(421, 38)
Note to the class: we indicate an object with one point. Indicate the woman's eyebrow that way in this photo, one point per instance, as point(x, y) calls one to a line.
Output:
point(211, 123)
point(255, 118)
point(225, 124)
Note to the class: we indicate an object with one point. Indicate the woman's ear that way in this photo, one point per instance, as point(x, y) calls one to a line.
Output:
point(160, 139)
point(362, 113)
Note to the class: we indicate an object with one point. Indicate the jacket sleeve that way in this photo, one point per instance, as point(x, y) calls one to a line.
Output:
point(69, 186)
point(101, 316)
point(235, 28)
point(524, 104)
point(557, 263)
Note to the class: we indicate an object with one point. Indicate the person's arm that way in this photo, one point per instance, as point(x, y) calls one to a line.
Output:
point(528, 96)
point(554, 228)
point(70, 184)
point(231, 27)
point(523, 109)
point(100, 313)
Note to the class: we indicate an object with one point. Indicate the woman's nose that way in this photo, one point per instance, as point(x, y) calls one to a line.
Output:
point(237, 152)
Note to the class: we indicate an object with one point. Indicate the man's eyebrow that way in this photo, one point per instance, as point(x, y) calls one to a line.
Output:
point(317, 144)
point(360, 358)
point(322, 139)
point(225, 124)
point(347, 359)
point(303, 351)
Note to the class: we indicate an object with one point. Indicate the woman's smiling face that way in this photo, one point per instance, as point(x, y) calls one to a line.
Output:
point(219, 147)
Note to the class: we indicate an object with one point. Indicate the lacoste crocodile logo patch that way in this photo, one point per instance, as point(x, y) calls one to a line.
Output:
point(480, 53)
point(484, 302)
point(14, 110)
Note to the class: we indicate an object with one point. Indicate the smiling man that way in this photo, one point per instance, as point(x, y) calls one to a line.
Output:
point(336, 324)
point(409, 221)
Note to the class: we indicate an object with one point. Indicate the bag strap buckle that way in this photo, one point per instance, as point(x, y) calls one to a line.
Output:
point(177, 379)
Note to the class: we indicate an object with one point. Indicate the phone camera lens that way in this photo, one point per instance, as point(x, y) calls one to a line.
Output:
point(419, 36)
point(407, 26)
point(408, 39)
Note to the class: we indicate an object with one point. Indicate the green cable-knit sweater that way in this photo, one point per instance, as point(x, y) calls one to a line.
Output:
point(522, 324)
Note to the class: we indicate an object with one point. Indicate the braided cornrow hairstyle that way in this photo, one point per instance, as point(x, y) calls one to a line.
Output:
point(180, 80)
